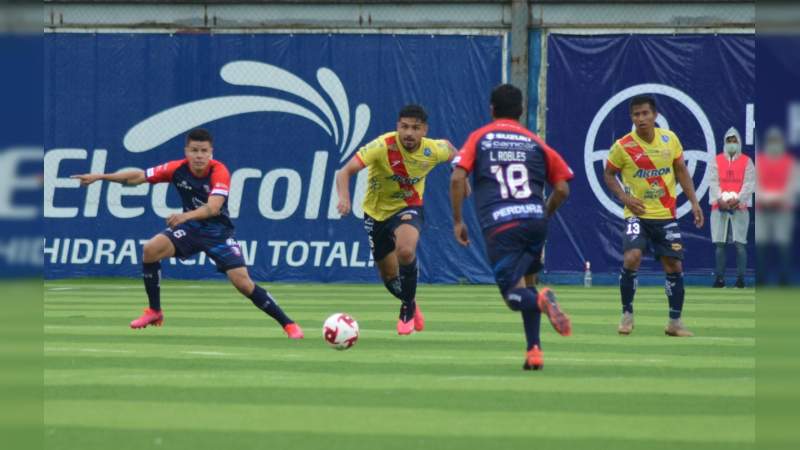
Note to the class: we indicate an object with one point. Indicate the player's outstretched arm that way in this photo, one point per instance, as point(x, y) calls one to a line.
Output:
point(557, 197)
point(343, 184)
point(610, 177)
point(127, 177)
point(682, 174)
point(458, 183)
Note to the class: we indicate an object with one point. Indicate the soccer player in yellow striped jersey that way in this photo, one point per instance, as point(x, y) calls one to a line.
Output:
point(397, 164)
point(649, 160)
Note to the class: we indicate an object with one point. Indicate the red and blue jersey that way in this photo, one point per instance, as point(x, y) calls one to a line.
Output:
point(194, 191)
point(511, 166)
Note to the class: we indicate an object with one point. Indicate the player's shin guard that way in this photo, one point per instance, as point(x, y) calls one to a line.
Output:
point(675, 294)
point(265, 302)
point(151, 274)
point(627, 288)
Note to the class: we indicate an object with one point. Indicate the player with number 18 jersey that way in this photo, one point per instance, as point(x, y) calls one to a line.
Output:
point(510, 167)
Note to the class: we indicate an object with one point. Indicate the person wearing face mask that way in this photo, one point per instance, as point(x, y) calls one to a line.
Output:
point(775, 199)
point(731, 172)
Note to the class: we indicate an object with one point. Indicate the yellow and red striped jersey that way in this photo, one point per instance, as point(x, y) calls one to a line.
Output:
point(647, 171)
point(396, 177)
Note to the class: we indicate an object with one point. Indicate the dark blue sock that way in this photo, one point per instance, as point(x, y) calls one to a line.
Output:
point(521, 299)
point(524, 301)
point(151, 273)
point(532, 320)
point(264, 301)
point(627, 288)
point(408, 282)
point(675, 294)
point(395, 287)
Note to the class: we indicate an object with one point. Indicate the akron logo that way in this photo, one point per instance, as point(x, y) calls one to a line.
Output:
point(595, 154)
point(333, 118)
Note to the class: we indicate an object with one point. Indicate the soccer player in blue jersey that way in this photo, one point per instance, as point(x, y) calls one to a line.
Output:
point(510, 167)
point(203, 226)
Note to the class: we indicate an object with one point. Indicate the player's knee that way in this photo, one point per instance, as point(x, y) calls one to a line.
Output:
point(241, 281)
point(150, 252)
point(405, 254)
point(632, 260)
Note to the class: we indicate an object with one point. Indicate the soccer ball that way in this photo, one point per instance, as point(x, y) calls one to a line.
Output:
point(340, 331)
point(728, 196)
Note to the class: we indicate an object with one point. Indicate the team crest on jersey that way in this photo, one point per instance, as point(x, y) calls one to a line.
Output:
point(665, 138)
point(427, 152)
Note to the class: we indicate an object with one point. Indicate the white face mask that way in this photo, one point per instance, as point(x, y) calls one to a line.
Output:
point(731, 148)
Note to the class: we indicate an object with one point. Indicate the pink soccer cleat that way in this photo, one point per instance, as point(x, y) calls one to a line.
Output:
point(150, 317)
point(419, 320)
point(548, 305)
point(294, 331)
point(405, 328)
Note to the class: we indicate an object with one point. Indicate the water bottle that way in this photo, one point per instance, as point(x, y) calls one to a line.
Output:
point(587, 275)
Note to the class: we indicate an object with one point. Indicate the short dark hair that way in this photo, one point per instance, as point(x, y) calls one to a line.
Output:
point(507, 102)
point(414, 112)
point(200, 135)
point(642, 100)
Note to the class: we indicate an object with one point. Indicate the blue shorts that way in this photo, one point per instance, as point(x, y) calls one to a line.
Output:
point(381, 232)
point(515, 250)
point(661, 237)
point(222, 249)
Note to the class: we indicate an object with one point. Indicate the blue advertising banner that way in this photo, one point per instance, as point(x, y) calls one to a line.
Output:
point(21, 157)
point(286, 112)
point(703, 85)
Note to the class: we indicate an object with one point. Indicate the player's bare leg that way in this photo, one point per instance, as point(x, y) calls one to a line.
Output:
point(156, 249)
point(240, 279)
point(628, 283)
point(673, 287)
point(400, 271)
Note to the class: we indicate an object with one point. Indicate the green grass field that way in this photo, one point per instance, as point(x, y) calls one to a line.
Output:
point(221, 375)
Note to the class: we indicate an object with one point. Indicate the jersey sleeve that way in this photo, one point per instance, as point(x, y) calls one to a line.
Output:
point(162, 173)
point(616, 157)
point(677, 148)
point(443, 150)
point(557, 168)
point(466, 156)
point(370, 153)
point(220, 180)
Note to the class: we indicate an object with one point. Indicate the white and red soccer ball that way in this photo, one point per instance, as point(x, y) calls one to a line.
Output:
point(340, 331)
